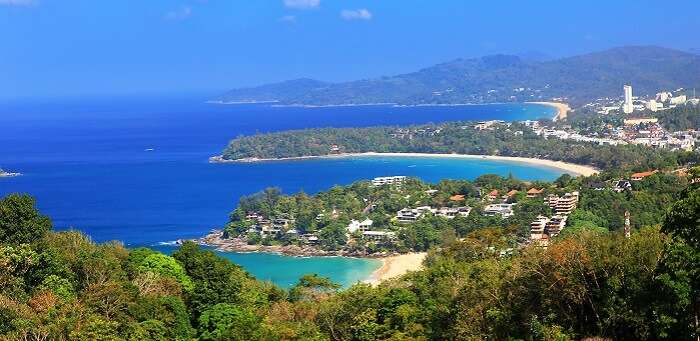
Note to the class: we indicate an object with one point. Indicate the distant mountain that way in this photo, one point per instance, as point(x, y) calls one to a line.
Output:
point(499, 78)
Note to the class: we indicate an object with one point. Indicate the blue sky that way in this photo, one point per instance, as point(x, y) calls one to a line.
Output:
point(51, 48)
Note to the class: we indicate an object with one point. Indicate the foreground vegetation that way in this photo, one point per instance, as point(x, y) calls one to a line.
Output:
point(589, 282)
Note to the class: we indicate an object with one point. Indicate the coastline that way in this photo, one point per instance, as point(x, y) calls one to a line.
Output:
point(395, 266)
point(570, 168)
point(562, 109)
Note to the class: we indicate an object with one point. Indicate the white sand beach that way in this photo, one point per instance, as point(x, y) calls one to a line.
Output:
point(394, 266)
point(562, 109)
point(570, 168)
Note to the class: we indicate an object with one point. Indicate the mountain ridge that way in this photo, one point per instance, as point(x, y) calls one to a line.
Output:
point(497, 78)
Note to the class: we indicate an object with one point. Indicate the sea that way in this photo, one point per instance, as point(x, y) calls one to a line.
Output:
point(135, 169)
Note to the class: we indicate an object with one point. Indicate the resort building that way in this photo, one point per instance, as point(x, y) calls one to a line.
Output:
point(493, 195)
point(451, 212)
point(537, 227)
point(640, 176)
point(504, 210)
point(409, 215)
point(362, 226)
point(563, 205)
point(555, 224)
point(388, 180)
point(534, 192)
point(622, 185)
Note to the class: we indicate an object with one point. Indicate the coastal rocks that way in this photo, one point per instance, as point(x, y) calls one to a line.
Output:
point(215, 239)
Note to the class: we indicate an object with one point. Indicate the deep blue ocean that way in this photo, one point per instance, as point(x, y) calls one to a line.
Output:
point(136, 170)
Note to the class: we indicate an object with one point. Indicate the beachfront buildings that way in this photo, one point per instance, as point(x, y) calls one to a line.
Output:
point(388, 180)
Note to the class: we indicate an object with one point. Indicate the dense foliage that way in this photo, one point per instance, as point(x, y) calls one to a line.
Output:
point(683, 117)
point(456, 137)
point(499, 78)
point(588, 283)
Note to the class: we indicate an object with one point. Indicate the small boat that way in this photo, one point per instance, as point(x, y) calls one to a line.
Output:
point(148, 150)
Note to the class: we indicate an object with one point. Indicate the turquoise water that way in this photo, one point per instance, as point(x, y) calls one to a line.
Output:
point(90, 165)
point(285, 270)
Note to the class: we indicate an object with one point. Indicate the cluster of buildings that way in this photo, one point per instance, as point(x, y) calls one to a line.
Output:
point(663, 100)
point(410, 215)
point(635, 130)
point(543, 228)
point(388, 180)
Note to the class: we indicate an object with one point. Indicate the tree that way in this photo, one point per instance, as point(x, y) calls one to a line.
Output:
point(680, 273)
point(167, 266)
point(20, 222)
point(225, 321)
point(311, 287)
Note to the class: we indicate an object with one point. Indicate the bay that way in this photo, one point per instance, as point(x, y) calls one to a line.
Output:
point(136, 170)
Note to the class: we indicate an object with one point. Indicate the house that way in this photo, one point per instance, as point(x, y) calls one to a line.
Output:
point(457, 197)
point(335, 149)
point(362, 226)
point(493, 195)
point(309, 238)
point(504, 210)
point(431, 191)
point(509, 195)
point(622, 185)
point(534, 192)
point(642, 175)
point(452, 212)
point(409, 215)
point(388, 180)
point(597, 186)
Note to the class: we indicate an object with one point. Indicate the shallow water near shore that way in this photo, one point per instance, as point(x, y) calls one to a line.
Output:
point(136, 170)
point(286, 270)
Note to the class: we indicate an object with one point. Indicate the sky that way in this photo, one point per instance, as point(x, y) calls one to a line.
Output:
point(69, 48)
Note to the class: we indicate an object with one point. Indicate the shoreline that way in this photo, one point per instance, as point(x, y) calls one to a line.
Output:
point(393, 265)
point(562, 109)
point(569, 168)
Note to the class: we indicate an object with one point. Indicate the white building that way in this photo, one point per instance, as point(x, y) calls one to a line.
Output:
point(409, 215)
point(504, 210)
point(452, 212)
point(362, 226)
point(654, 105)
point(628, 106)
point(678, 100)
point(379, 235)
point(388, 180)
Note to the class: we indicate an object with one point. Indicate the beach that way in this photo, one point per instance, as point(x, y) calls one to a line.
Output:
point(562, 109)
point(394, 266)
point(570, 168)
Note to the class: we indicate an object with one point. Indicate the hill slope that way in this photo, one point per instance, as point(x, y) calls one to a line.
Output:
point(499, 78)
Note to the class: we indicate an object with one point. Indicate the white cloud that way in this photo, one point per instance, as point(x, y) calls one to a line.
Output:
point(302, 4)
point(180, 14)
point(17, 2)
point(291, 19)
point(356, 14)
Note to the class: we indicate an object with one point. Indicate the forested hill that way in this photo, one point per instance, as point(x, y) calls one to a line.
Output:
point(453, 137)
point(499, 78)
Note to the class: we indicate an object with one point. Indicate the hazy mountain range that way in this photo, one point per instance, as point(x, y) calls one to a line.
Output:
point(498, 78)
